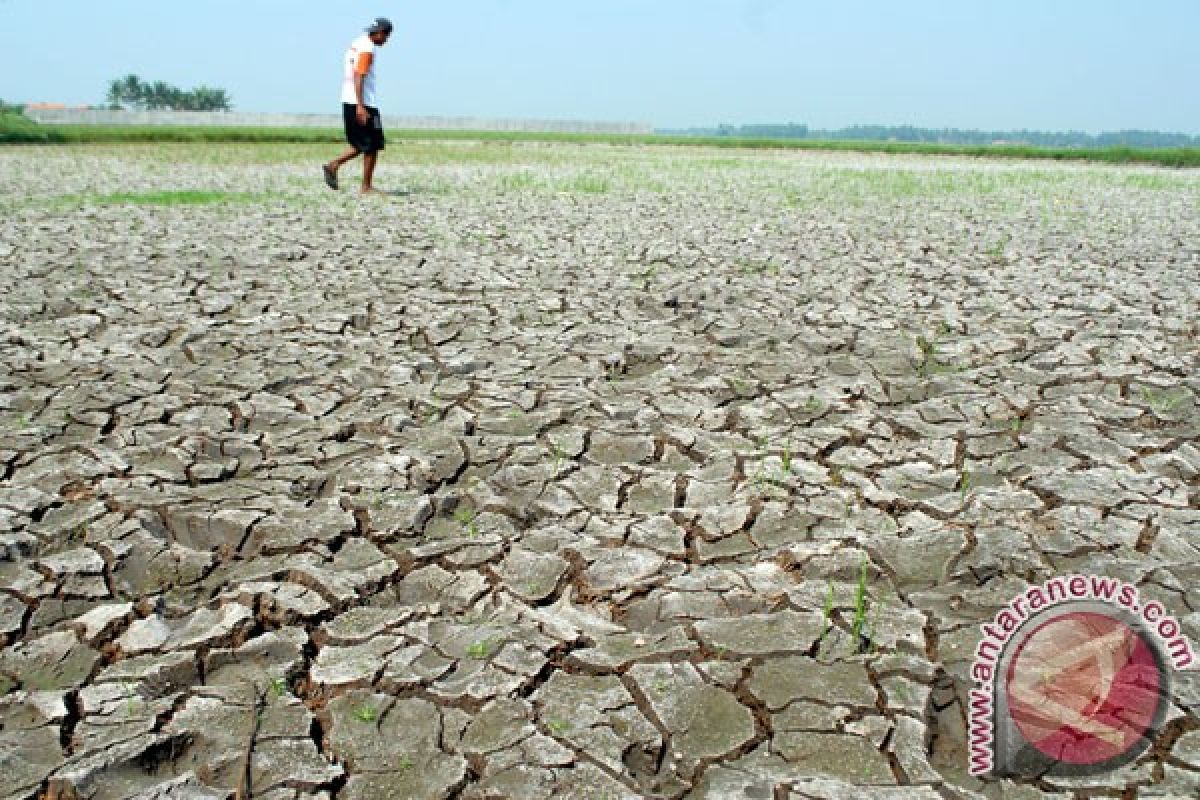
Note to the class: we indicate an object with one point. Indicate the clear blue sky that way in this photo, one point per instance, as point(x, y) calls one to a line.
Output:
point(1089, 65)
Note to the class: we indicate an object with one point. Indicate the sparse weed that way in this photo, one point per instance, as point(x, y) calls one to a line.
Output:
point(481, 649)
point(835, 476)
point(278, 687)
point(469, 521)
point(858, 624)
point(928, 349)
point(739, 385)
point(365, 713)
point(559, 456)
point(170, 198)
point(756, 268)
point(588, 184)
point(132, 701)
point(931, 361)
point(519, 181)
point(648, 275)
point(558, 726)
point(1163, 402)
point(827, 609)
point(997, 249)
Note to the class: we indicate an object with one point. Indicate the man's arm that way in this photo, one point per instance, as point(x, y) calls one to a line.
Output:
point(360, 77)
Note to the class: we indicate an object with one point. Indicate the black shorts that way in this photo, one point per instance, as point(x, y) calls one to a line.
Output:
point(363, 138)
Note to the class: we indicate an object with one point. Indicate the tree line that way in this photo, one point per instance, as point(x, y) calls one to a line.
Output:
point(910, 133)
point(132, 93)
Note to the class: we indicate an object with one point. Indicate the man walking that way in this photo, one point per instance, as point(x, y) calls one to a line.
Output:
point(360, 109)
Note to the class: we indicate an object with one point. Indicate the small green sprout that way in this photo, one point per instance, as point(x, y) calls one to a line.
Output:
point(858, 625)
point(468, 519)
point(1163, 402)
point(929, 359)
point(559, 455)
point(365, 713)
point(132, 701)
point(480, 649)
point(827, 609)
point(997, 249)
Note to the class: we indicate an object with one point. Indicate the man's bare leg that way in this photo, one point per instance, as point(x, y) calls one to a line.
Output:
point(369, 160)
point(337, 163)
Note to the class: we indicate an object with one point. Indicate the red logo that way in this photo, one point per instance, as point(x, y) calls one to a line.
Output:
point(1085, 689)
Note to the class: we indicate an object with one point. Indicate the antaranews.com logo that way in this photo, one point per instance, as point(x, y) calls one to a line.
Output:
point(1072, 679)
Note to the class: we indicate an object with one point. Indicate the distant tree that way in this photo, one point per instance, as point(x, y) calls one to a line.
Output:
point(131, 92)
point(11, 108)
point(126, 92)
point(112, 99)
point(206, 98)
point(160, 96)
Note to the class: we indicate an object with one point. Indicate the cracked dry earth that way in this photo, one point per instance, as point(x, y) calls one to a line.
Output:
point(557, 476)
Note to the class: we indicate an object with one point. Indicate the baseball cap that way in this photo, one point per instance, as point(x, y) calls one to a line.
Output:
point(380, 25)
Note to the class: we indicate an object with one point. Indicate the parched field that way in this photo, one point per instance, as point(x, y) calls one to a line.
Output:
point(572, 471)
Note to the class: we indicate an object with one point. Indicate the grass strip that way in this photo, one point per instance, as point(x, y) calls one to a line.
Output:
point(15, 129)
point(188, 197)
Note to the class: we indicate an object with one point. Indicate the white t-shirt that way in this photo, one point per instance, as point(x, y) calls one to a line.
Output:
point(350, 65)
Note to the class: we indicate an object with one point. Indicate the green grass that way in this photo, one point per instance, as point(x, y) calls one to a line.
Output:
point(365, 713)
point(858, 625)
point(469, 521)
point(17, 129)
point(191, 197)
point(587, 184)
point(481, 649)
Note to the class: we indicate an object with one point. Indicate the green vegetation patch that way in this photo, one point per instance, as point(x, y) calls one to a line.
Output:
point(16, 129)
point(190, 197)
